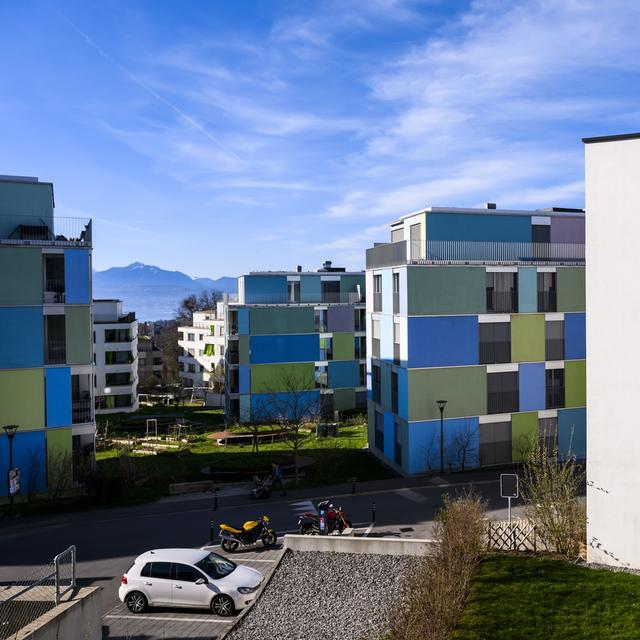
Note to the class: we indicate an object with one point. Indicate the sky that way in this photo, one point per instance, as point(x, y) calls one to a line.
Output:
point(217, 138)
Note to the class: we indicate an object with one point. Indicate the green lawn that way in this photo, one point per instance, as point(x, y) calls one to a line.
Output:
point(540, 598)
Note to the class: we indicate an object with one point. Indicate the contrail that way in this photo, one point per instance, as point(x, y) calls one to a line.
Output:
point(143, 86)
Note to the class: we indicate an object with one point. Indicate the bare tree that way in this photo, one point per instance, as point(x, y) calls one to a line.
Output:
point(461, 445)
point(196, 302)
point(60, 474)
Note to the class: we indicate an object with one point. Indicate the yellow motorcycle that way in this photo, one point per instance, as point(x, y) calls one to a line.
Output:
point(253, 530)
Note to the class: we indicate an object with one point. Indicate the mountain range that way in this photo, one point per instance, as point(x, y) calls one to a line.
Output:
point(153, 293)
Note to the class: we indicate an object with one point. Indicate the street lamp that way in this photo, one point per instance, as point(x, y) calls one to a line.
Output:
point(10, 430)
point(441, 405)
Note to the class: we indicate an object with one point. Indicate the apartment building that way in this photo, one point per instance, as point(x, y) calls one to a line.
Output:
point(480, 312)
point(296, 344)
point(115, 353)
point(46, 367)
point(201, 362)
point(613, 305)
point(150, 366)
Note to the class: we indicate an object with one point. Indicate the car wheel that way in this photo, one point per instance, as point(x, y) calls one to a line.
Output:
point(269, 539)
point(136, 602)
point(222, 605)
point(229, 545)
point(307, 529)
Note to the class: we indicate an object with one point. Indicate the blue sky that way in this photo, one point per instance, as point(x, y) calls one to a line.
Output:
point(221, 137)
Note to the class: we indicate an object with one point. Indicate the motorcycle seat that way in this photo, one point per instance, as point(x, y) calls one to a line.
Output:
point(226, 527)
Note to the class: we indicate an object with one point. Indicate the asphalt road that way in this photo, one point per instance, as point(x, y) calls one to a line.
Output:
point(108, 540)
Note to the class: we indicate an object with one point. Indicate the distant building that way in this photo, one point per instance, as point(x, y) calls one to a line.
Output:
point(150, 366)
point(46, 367)
point(201, 362)
point(115, 347)
point(296, 343)
point(483, 308)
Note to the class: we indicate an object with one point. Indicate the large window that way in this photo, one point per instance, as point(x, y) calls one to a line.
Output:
point(293, 291)
point(554, 340)
point(118, 357)
point(376, 383)
point(55, 339)
point(378, 431)
point(554, 388)
point(502, 292)
point(321, 320)
point(330, 290)
point(117, 335)
point(547, 299)
point(375, 338)
point(321, 376)
point(495, 342)
point(495, 444)
point(360, 319)
point(394, 391)
point(118, 379)
point(396, 342)
point(377, 293)
point(502, 392)
point(396, 293)
point(326, 348)
point(361, 347)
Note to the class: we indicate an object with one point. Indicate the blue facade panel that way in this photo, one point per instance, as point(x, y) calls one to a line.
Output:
point(344, 374)
point(532, 386)
point(527, 290)
point(443, 341)
point(243, 322)
point(272, 406)
point(29, 455)
point(478, 228)
point(388, 435)
point(245, 409)
point(77, 276)
point(244, 378)
point(385, 383)
point(575, 338)
point(287, 348)
point(21, 338)
point(265, 289)
point(58, 396)
point(572, 432)
point(310, 288)
point(403, 393)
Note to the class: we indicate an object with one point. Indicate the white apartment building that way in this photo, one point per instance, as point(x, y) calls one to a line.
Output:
point(115, 352)
point(202, 344)
point(613, 349)
point(149, 360)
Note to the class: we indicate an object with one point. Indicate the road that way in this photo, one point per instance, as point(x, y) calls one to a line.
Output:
point(108, 540)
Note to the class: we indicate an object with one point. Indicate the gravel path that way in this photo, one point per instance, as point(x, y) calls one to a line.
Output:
point(327, 595)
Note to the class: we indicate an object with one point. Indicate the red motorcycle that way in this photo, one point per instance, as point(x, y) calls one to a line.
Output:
point(335, 520)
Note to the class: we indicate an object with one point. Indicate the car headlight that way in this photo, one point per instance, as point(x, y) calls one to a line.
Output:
point(245, 590)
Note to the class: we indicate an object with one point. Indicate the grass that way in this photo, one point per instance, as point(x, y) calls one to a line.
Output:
point(542, 598)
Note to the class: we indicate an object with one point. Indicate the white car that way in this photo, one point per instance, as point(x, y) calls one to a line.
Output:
point(188, 578)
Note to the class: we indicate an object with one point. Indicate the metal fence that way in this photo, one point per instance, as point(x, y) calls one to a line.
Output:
point(18, 229)
point(23, 601)
point(517, 535)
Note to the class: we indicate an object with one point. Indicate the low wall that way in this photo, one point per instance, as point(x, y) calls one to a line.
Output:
point(353, 544)
point(77, 618)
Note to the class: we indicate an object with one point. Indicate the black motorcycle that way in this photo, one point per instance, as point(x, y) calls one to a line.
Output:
point(335, 520)
point(231, 537)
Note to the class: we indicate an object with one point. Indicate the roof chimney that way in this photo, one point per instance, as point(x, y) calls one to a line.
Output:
point(489, 205)
point(299, 268)
point(327, 265)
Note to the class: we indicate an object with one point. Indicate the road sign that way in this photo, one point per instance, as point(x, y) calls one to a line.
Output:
point(509, 488)
point(14, 481)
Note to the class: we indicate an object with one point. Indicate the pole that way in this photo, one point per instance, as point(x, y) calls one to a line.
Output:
point(353, 486)
point(509, 499)
point(441, 439)
point(8, 474)
point(373, 512)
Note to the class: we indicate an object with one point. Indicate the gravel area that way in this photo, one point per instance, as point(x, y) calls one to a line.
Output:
point(327, 595)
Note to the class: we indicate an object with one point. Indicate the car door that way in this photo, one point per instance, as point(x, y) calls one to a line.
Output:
point(185, 591)
point(156, 582)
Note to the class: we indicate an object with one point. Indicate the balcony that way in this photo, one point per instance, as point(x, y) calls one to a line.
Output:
point(468, 252)
point(54, 291)
point(26, 230)
point(233, 357)
point(56, 352)
point(502, 301)
point(81, 411)
point(547, 301)
point(327, 297)
point(495, 352)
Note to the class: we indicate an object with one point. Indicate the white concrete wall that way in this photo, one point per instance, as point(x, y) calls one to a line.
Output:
point(613, 351)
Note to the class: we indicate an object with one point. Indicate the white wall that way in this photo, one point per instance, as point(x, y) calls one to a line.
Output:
point(613, 351)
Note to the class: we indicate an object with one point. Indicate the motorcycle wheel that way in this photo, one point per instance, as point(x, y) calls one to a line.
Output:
point(229, 545)
point(269, 538)
point(307, 529)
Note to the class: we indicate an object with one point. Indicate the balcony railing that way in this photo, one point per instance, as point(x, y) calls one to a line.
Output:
point(469, 252)
point(547, 301)
point(495, 352)
point(54, 291)
point(81, 411)
point(17, 229)
point(502, 402)
point(56, 352)
point(328, 297)
point(554, 349)
point(502, 301)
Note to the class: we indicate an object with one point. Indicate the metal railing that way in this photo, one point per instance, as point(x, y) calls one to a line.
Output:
point(502, 402)
point(81, 411)
point(56, 352)
point(547, 301)
point(554, 349)
point(327, 297)
point(18, 229)
point(54, 291)
point(24, 600)
point(502, 301)
point(495, 352)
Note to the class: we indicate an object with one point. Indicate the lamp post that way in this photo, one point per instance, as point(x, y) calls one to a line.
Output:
point(441, 405)
point(10, 430)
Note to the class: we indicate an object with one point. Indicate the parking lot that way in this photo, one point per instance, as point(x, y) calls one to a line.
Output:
point(162, 623)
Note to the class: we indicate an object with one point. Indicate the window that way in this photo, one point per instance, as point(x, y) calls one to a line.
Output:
point(495, 444)
point(117, 335)
point(377, 293)
point(554, 339)
point(321, 320)
point(118, 357)
point(502, 392)
point(415, 234)
point(185, 573)
point(117, 379)
point(375, 338)
point(321, 376)
point(361, 347)
point(326, 348)
point(495, 342)
point(397, 235)
point(122, 400)
point(158, 570)
point(330, 290)
point(396, 342)
point(363, 376)
point(191, 337)
point(548, 431)
point(360, 323)
point(541, 233)
point(293, 291)
point(502, 292)
point(396, 293)
point(376, 381)
point(547, 300)
point(55, 339)
point(397, 442)
point(233, 322)
point(394, 391)
point(54, 290)
point(554, 386)
point(216, 566)
point(192, 368)
point(378, 431)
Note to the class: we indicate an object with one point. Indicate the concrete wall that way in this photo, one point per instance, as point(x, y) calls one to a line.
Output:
point(613, 350)
point(348, 544)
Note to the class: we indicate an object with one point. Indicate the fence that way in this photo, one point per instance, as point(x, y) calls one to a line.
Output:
point(23, 601)
point(519, 535)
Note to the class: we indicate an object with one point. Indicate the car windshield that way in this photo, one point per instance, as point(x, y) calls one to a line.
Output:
point(216, 566)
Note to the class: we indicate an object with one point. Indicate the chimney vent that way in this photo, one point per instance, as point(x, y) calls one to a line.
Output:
point(489, 205)
point(299, 268)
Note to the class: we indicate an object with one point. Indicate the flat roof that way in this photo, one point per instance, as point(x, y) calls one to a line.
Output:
point(612, 138)
point(322, 272)
point(547, 212)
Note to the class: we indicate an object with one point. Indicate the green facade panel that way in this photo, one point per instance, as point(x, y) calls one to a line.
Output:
point(344, 399)
point(349, 284)
point(524, 431)
point(59, 455)
point(464, 389)
point(527, 337)
point(243, 349)
point(571, 290)
point(446, 290)
point(273, 378)
point(78, 334)
point(20, 276)
point(575, 385)
point(22, 398)
point(344, 346)
point(281, 320)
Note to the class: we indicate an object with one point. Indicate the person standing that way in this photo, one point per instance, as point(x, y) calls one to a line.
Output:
point(277, 478)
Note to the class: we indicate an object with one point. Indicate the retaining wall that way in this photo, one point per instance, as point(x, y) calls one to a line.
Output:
point(353, 544)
